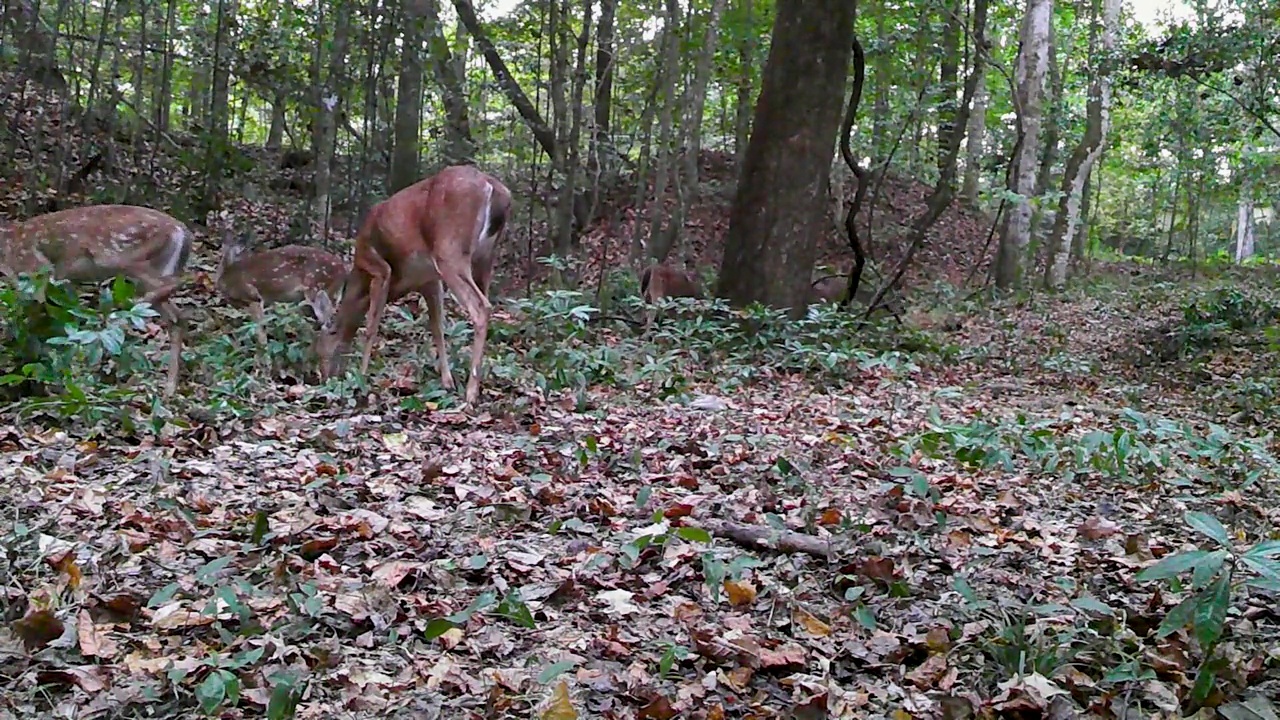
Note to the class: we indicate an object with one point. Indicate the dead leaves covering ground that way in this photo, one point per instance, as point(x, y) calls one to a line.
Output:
point(560, 562)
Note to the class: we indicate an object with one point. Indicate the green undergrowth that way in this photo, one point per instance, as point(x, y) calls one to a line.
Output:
point(88, 363)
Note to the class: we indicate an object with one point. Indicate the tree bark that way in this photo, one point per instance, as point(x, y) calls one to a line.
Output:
point(1084, 157)
point(1029, 76)
point(459, 145)
point(948, 72)
point(779, 207)
point(974, 145)
point(404, 170)
point(660, 240)
point(541, 131)
point(746, 62)
point(328, 99)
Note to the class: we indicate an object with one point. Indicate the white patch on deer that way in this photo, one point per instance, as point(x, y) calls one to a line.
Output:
point(483, 220)
point(177, 243)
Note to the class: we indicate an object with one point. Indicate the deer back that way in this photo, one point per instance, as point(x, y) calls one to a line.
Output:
point(292, 273)
point(94, 243)
point(659, 281)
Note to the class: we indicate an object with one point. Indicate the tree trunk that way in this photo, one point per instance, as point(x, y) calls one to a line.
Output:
point(541, 131)
point(328, 98)
point(216, 137)
point(948, 72)
point(1244, 225)
point(565, 227)
point(698, 101)
point(603, 153)
point(975, 144)
point(660, 241)
point(404, 170)
point(165, 98)
point(746, 62)
point(1085, 156)
point(779, 207)
point(881, 72)
point(459, 145)
point(275, 135)
point(1029, 76)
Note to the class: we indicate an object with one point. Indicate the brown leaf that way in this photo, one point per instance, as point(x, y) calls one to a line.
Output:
point(786, 656)
point(38, 629)
point(659, 708)
point(878, 568)
point(741, 592)
point(123, 607)
point(313, 549)
point(678, 510)
point(811, 624)
point(89, 678)
point(94, 641)
point(561, 705)
point(830, 516)
point(929, 672)
point(1098, 527)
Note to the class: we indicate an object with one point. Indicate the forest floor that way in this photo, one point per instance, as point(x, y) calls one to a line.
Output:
point(966, 518)
point(966, 501)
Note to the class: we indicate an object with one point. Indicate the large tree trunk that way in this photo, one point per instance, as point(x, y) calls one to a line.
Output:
point(974, 144)
point(219, 113)
point(1244, 224)
point(328, 99)
point(566, 231)
point(1085, 156)
point(660, 240)
point(404, 169)
point(779, 207)
point(604, 153)
point(1029, 76)
point(459, 146)
point(948, 72)
point(746, 62)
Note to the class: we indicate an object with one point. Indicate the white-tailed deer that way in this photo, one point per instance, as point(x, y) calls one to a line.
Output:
point(442, 228)
point(290, 274)
point(99, 242)
point(659, 281)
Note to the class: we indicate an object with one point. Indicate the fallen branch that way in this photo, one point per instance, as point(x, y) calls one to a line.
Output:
point(757, 536)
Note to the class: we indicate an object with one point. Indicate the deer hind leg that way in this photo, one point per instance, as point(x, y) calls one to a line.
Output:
point(434, 293)
point(379, 273)
point(457, 275)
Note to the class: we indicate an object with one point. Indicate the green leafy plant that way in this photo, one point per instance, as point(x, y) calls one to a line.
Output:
point(1214, 576)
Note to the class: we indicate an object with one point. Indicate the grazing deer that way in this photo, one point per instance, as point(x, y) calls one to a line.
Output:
point(659, 281)
point(443, 228)
point(293, 273)
point(98, 242)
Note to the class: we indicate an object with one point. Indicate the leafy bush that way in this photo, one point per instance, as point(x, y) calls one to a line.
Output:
point(66, 358)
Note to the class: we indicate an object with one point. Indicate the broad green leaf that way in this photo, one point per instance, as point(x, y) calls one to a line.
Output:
point(693, 534)
point(1265, 567)
point(552, 671)
point(1208, 526)
point(1172, 565)
point(213, 567)
point(437, 627)
point(163, 595)
point(1088, 602)
point(1265, 549)
point(1178, 617)
point(865, 617)
point(1211, 612)
point(211, 692)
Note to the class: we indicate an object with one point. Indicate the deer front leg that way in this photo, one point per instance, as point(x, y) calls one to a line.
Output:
point(457, 275)
point(257, 312)
point(379, 273)
point(434, 293)
point(157, 292)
